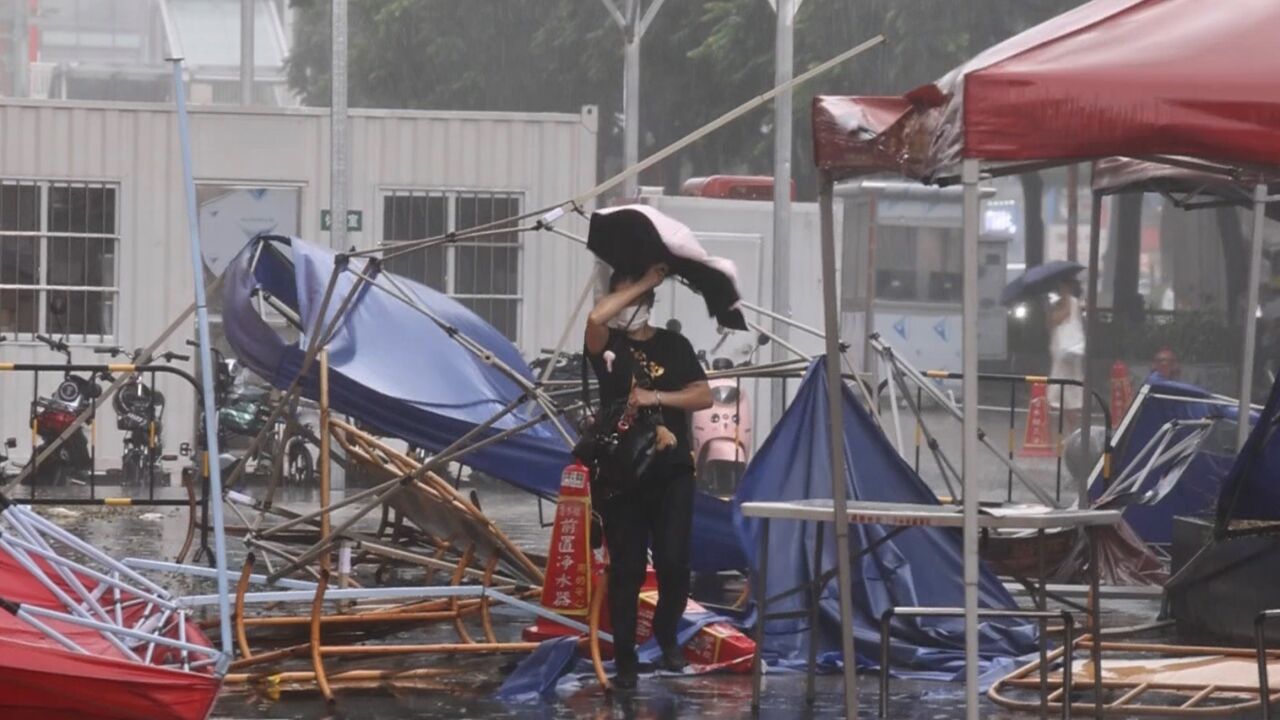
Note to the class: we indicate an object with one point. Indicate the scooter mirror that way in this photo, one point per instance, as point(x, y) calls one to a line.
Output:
point(674, 325)
point(58, 305)
point(762, 339)
point(11, 443)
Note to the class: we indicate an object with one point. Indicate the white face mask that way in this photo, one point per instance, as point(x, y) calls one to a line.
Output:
point(632, 318)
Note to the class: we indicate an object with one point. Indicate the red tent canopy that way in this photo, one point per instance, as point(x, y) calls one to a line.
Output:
point(1112, 77)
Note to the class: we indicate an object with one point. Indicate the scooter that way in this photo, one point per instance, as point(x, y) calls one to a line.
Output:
point(51, 416)
point(722, 434)
point(140, 414)
point(243, 412)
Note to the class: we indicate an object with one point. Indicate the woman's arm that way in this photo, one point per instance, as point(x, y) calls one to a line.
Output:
point(691, 398)
point(1059, 312)
point(597, 335)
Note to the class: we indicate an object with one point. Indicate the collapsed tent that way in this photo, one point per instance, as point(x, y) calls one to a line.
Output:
point(397, 364)
point(919, 566)
point(1251, 490)
point(1158, 403)
point(79, 644)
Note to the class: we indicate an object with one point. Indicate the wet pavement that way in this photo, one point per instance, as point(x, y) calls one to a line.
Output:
point(468, 691)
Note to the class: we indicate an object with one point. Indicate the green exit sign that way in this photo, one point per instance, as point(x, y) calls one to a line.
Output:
point(355, 220)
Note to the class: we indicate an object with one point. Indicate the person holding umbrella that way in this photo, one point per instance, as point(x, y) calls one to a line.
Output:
point(1066, 346)
point(654, 369)
point(1066, 326)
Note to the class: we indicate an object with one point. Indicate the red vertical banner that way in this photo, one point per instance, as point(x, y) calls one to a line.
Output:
point(566, 586)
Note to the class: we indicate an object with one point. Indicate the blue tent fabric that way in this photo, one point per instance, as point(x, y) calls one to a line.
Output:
point(1196, 492)
point(396, 370)
point(535, 678)
point(920, 566)
point(1251, 490)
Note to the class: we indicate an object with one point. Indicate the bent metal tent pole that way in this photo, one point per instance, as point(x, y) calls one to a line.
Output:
point(1250, 323)
point(530, 389)
point(206, 359)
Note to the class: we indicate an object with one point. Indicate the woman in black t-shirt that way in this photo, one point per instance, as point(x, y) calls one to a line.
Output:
point(652, 368)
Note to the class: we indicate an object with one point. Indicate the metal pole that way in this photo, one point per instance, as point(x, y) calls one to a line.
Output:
point(969, 460)
point(246, 52)
point(206, 360)
point(1073, 211)
point(21, 52)
point(338, 131)
point(631, 96)
point(781, 269)
point(1250, 307)
point(325, 435)
point(1090, 340)
point(835, 410)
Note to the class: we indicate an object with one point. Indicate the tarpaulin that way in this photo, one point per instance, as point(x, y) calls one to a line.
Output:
point(1110, 77)
point(536, 676)
point(407, 374)
point(1196, 492)
point(919, 566)
point(1251, 490)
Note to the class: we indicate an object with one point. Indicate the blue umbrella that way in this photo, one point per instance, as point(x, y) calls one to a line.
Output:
point(1039, 280)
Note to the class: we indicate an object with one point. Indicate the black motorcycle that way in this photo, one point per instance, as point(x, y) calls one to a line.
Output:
point(140, 414)
point(51, 416)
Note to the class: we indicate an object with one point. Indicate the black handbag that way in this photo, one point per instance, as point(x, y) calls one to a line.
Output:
point(618, 443)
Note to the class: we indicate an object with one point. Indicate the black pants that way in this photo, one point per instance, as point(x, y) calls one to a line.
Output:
point(663, 512)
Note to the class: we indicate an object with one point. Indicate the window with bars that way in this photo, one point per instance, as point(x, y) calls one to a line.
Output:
point(482, 273)
point(58, 255)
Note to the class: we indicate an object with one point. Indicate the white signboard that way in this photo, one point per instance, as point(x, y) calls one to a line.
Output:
point(232, 216)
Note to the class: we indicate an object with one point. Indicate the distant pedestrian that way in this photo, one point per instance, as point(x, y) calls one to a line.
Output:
point(1066, 348)
point(1166, 365)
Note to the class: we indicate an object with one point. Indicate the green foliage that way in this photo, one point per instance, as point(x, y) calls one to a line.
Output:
point(700, 58)
point(1197, 337)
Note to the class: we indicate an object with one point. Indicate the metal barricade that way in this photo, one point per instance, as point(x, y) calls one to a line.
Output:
point(1068, 642)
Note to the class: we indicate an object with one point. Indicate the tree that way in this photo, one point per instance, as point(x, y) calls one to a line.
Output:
point(700, 58)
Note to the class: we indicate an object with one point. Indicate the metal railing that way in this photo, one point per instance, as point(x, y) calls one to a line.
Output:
point(195, 500)
point(1013, 381)
point(1068, 642)
point(1259, 631)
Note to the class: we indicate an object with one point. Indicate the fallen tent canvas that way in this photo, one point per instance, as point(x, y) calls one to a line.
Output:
point(920, 566)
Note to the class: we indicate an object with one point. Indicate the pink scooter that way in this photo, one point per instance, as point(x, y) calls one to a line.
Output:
point(722, 434)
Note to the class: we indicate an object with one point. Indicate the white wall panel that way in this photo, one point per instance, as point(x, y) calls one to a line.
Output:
point(547, 157)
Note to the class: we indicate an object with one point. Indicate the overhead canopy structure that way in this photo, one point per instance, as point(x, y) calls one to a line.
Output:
point(1136, 78)
point(401, 367)
point(1188, 186)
